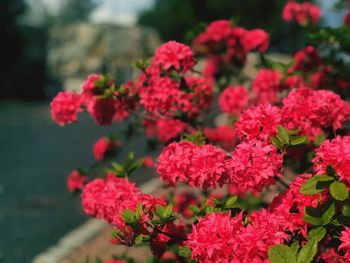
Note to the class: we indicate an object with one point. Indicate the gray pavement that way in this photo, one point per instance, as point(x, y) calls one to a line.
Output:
point(35, 157)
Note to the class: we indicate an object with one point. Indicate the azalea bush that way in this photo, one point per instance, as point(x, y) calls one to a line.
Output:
point(268, 183)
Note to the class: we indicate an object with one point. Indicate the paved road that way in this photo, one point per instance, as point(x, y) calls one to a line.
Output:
point(35, 157)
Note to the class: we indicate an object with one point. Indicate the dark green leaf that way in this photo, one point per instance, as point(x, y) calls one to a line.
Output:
point(281, 254)
point(346, 210)
point(339, 191)
point(308, 252)
point(330, 170)
point(317, 234)
point(314, 185)
point(329, 213)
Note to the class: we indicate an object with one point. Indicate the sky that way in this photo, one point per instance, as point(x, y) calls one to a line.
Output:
point(112, 11)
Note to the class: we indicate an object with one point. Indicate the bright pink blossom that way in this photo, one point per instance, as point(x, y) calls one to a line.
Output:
point(200, 166)
point(65, 107)
point(266, 85)
point(254, 165)
point(174, 55)
point(106, 198)
point(76, 181)
point(258, 122)
point(169, 129)
point(345, 242)
point(337, 154)
point(102, 110)
point(306, 60)
point(224, 136)
point(103, 146)
point(233, 99)
point(303, 13)
point(213, 238)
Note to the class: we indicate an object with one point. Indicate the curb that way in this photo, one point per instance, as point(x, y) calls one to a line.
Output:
point(82, 233)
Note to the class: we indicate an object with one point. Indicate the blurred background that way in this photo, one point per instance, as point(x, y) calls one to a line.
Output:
point(50, 45)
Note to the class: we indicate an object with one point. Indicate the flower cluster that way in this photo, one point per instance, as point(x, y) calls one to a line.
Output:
point(258, 122)
point(267, 85)
point(254, 165)
point(227, 46)
point(201, 166)
point(65, 107)
point(337, 154)
point(163, 88)
point(233, 100)
point(303, 13)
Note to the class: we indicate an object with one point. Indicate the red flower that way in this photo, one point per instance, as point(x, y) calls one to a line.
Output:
point(258, 122)
point(266, 85)
point(224, 136)
point(213, 238)
point(337, 154)
point(102, 110)
point(76, 181)
point(174, 55)
point(103, 146)
point(169, 129)
point(254, 165)
point(65, 107)
point(200, 166)
point(303, 13)
point(233, 99)
point(345, 242)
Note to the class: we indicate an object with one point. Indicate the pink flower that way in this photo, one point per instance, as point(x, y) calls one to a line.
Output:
point(213, 238)
point(258, 122)
point(174, 55)
point(169, 129)
point(65, 107)
point(89, 85)
point(309, 111)
point(254, 240)
point(345, 242)
point(76, 181)
point(347, 18)
point(103, 146)
point(266, 85)
point(106, 198)
point(224, 136)
point(306, 60)
point(254, 165)
point(303, 13)
point(337, 154)
point(233, 99)
point(200, 166)
point(256, 39)
point(102, 110)
point(289, 206)
point(149, 162)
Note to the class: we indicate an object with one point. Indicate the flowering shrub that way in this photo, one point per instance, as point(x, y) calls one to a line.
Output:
point(269, 184)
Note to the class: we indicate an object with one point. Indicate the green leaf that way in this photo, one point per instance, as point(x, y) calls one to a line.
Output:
point(308, 252)
point(329, 213)
point(299, 140)
point(128, 215)
point(276, 142)
point(282, 134)
point(319, 140)
point(185, 252)
point(339, 191)
point(231, 201)
point(281, 254)
point(317, 234)
point(295, 247)
point(313, 220)
point(314, 185)
point(346, 210)
point(168, 211)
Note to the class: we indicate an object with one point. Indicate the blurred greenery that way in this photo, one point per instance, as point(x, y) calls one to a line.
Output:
point(173, 17)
